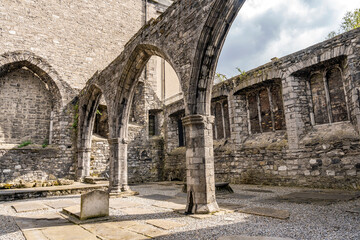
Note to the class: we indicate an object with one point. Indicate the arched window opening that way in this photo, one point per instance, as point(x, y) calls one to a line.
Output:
point(220, 110)
point(337, 95)
point(26, 106)
point(265, 107)
point(329, 104)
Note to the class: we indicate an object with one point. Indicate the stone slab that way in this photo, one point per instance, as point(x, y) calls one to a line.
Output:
point(40, 221)
point(29, 207)
point(69, 232)
point(319, 196)
point(148, 230)
point(73, 210)
point(137, 211)
point(170, 205)
point(114, 230)
point(266, 212)
point(36, 234)
point(165, 224)
point(61, 203)
point(242, 237)
point(118, 203)
point(231, 206)
point(236, 196)
point(355, 210)
point(158, 197)
point(258, 190)
point(94, 204)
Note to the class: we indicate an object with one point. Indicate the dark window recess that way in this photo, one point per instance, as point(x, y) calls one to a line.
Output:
point(219, 121)
point(152, 125)
point(226, 119)
point(319, 99)
point(181, 133)
point(337, 96)
point(266, 122)
point(254, 113)
point(278, 107)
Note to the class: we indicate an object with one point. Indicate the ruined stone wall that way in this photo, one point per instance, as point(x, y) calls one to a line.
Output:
point(99, 157)
point(77, 38)
point(292, 121)
point(25, 108)
point(63, 43)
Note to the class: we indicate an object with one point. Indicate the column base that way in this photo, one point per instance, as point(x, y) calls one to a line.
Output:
point(121, 194)
point(203, 208)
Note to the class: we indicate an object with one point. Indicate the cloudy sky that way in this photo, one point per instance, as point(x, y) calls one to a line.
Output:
point(265, 29)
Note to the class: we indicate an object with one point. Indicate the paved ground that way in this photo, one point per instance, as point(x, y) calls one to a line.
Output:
point(250, 213)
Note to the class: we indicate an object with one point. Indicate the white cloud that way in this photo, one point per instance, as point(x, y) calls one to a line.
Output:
point(265, 29)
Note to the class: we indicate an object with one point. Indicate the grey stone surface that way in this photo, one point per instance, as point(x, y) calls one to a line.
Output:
point(29, 207)
point(319, 196)
point(165, 224)
point(61, 203)
point(94, 204)
point(266, 212)
point(243, 237)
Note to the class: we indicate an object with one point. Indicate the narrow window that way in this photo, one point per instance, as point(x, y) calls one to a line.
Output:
point(254, 113)
point(152, 125)
point(319, 99)
point(278, 108)
point(219, 121)
point(181, 133)
point(226, 118)
point(266, 121)
point(337, 96)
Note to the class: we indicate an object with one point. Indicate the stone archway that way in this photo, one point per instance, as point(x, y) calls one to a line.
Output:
point(119, 116)
point(34, 98)
point(190, 37)
point(87, 106)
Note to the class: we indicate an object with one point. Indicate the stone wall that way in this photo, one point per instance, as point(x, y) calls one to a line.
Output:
point(26, 108)
point(293, 121)
point(99, 157)
point(49, 50)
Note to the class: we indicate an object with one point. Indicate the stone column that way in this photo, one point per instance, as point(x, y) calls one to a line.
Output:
point(83, 169)
point(200, 164)
point(118, 166)
point(296, 109)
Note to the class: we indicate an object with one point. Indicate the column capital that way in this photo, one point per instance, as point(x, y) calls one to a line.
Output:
point(118, 141)
point(197, 119)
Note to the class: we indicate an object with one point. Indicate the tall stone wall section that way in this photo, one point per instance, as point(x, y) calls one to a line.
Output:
point(302, 151)
point(63, 43)
point(77, 38)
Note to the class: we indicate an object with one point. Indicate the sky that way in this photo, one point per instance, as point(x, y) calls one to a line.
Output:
point(265, 29)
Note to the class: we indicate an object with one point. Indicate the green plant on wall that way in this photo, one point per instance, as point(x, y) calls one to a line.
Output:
point(25, 143)
point(350, 21)
point(98, 112)
point(45, 143)
point(220, 77)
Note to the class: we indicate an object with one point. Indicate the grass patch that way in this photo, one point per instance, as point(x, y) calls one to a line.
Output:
point(25, 143)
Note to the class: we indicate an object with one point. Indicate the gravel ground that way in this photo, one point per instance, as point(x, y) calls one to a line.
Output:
point(307, 220)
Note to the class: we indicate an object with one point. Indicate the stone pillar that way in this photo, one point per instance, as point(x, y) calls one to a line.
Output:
point(297, 114)
point(200, 164)
point(83, 169)
point(118, 166)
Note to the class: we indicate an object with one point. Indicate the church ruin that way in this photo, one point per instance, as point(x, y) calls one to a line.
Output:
point(89, 95)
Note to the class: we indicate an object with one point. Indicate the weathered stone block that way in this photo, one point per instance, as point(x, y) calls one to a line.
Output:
point(94, 204)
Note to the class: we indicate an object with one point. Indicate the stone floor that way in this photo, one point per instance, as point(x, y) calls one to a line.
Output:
point(251, 213)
